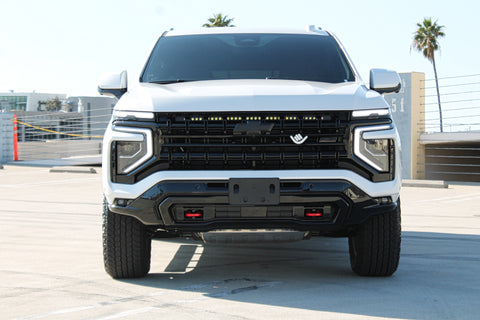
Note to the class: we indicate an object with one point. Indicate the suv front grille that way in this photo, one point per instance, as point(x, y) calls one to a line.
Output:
point(260, 141)
point(252, 141)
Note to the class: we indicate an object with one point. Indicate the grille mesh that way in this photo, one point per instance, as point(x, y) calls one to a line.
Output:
point(259, 141)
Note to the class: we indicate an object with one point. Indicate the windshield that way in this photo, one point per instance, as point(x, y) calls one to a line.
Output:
point(247, 56)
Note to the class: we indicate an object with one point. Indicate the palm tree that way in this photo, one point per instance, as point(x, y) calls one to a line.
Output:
point(425, 40)
point(219, 20)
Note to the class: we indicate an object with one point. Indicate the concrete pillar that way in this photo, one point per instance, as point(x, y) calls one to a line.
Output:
point(6, 137)
point(418, 125)
point(408, 112)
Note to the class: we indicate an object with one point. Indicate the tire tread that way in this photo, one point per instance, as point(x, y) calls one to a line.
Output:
point(126, 246)
point(375, 245)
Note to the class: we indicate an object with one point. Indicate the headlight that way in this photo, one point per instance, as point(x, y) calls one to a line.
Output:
point(373, 145)
point(131, 147)
point(378, 152)
point(129, 153)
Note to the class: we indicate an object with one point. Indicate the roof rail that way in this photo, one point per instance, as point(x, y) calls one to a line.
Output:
point(312, 28)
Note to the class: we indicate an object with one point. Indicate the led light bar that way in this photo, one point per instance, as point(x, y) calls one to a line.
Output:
point(131, 115)
point(370, 113)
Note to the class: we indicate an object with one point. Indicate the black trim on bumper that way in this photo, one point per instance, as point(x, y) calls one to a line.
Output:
point(163, 206)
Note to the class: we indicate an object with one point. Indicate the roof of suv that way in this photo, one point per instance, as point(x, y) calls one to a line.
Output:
point(310, 29)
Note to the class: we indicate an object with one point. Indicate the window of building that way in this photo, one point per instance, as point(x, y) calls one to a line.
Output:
point(13, 103)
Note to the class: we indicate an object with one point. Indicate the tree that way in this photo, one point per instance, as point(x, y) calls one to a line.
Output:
point(425, 40)
point(54, 104)
point(219, 20)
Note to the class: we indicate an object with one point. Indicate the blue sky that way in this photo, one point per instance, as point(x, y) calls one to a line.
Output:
point(62, 46)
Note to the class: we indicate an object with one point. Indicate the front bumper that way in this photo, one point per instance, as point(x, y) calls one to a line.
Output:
point(160, 197)
point(114, 191)
point(163, 206)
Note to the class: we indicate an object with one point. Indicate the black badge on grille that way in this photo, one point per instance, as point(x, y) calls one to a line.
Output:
point(253, 128)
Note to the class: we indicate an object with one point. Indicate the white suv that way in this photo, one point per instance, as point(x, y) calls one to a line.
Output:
point(266, 131)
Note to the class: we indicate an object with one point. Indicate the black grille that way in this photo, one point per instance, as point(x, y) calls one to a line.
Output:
point(253, 141)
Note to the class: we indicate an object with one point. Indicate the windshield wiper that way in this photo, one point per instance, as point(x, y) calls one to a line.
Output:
point(170, 81)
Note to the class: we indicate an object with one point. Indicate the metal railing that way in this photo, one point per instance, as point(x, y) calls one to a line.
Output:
point(45, 135)
point(457, 157)
point(460, 101)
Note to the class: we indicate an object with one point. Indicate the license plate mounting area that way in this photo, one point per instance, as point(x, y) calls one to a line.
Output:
point(254, 191)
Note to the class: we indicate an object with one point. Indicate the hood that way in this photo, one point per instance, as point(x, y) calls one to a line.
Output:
point(249, 95)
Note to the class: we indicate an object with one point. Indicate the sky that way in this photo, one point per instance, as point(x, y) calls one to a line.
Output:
point(62, 46)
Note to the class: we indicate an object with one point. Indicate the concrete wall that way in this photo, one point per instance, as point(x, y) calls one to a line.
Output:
point(57, 149)
point(6, 137)
point(408, 112)
point(418, 125)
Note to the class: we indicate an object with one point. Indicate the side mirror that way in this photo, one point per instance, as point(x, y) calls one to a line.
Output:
point(113, 84)
point(384, 81)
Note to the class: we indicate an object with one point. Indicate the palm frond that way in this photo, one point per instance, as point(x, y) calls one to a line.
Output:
point(425, 39)
point(219, 20)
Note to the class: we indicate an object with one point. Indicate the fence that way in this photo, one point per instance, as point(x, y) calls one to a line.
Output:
point(53, 135)
point(60, 135)
point(460, 102)
point(455, 154)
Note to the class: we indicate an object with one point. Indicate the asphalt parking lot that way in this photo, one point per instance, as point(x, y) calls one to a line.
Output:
point(51, 263)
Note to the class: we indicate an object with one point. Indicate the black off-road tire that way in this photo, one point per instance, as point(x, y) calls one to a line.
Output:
point(126, 246)
point(375, 245)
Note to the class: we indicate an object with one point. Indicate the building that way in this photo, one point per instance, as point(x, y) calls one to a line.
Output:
point(16, 101)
